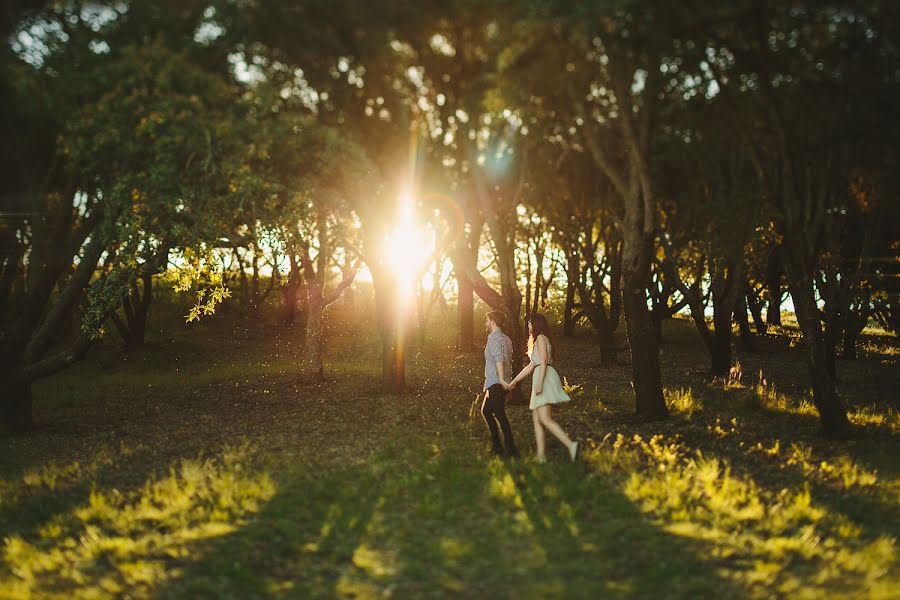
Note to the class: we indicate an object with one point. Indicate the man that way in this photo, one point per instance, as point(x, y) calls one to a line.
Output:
point(497, 369)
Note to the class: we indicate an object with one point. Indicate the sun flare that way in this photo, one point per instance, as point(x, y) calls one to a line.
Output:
point(406, 248)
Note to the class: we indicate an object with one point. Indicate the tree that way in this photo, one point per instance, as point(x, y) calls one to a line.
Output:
point(630, 51)
point(709, 227)
point(803, 162)
point(117, 149)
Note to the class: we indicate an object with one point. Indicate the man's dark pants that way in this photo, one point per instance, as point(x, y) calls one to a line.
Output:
point(494, 412)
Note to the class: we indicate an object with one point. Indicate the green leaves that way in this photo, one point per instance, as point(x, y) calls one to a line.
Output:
point(199, 267)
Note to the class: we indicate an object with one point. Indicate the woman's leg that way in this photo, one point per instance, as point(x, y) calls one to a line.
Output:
point(543, 413)
point(538, 433)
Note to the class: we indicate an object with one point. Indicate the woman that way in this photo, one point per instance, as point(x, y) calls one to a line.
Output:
point(546, 387)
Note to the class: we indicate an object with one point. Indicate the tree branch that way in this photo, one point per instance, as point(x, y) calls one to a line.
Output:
point(59, 361)
point(66, 300)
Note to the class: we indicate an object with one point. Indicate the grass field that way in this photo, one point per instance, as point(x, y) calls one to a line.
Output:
point(200, 467)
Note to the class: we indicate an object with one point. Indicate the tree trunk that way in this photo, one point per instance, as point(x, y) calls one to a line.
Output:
point(720, 356)
point(289, 302)
point(516, 332)
point(659, 311)
point(139, 325)
point(254, 280)
point(773, 288)
point(390, 329)
point(538, 280)
point(832, 413)
point(313, 369)
point(743, 321)
point(527, 285)
point(658, 323)
point(720, 350)
point(465, 340)
point(755, 306)
point(725, 294)
point(608, 349)
point(831, 334)
point(571, 286)
point(420, 317)
point(467, 256)
point(136, 306)
point(393, 368)
point(245, 285)
point(290, 290)
point(646, 380)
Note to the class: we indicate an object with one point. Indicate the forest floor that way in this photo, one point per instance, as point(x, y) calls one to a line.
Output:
point(199, 466)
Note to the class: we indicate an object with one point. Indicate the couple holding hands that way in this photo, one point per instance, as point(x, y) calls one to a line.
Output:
point(546, 386)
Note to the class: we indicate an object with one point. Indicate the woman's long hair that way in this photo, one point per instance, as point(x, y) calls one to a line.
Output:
point(540, 326)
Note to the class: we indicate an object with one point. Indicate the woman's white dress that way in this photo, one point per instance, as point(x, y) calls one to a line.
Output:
point(552, 392)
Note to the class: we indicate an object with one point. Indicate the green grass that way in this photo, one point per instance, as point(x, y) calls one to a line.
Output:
point(228, 478)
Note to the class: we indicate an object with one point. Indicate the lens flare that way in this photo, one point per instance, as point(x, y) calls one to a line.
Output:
point(406, 248)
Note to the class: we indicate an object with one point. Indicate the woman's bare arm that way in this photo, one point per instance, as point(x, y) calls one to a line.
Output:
point(542, 368)
point(525, 371)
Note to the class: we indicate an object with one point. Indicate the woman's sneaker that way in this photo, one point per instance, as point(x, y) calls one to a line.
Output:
point(573, 450)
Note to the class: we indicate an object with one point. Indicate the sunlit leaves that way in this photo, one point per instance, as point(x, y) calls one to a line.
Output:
point(199, 267)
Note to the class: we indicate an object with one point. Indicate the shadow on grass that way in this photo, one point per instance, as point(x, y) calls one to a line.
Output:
point(843, 477)
point(116, 542)
point(33, 494)
point(303, 543)
point(598, 544)
point(425, 519)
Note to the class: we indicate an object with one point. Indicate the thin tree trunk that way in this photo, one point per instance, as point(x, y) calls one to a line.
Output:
point(290, 291)
point(254, 290)
point(720, 352)
point(747, 343)
point(773, 288)
point(538, 280)
point(421, 316)
point(527, 284)
point(468, 258)
point(136, 306)
point(571, 286)
point(755, 306)
point(245, 285)
point(466, 315)
point(289, 300)
point(545, 287)
point(832, 413)
point(831, 335)
point(603, 323)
